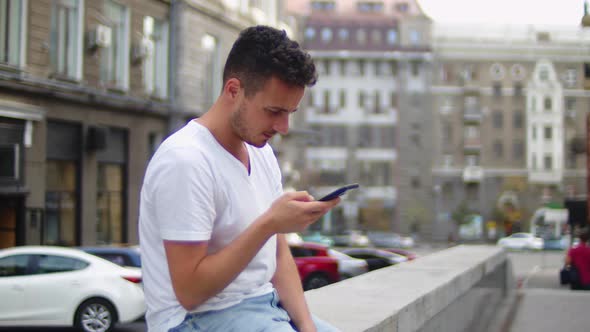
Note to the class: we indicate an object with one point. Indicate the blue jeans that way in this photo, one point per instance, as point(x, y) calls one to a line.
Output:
point(257, 314)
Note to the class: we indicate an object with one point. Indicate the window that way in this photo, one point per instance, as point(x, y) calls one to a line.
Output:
point(415, 37)
point(55, 264)
point(342, 99)
point(570, 104)
point(343, 34)
point(362, 98)
point(327, 67)
point(402, 7)
point(518, 150)
point(518, 90)
point(310, 101)
point(472, 160)
point(309, 33)
point(66, 38)
point(393, 99)
point(342, 65)
point(543, 74)
point(377, 106)
point(361, 36)
point(115, 58)
point(326, 35)
point(370, 7)
point(534, 133)
point(376, 36)
point(327, 106)
point(517, 119)
point(415, 68)
point(498, 149)
point(60, 203)
point(12, 32)
point(155, 65)
point(361, 65)
point(547, 104)
point(570, 78)
point(375, 173)
point(548, 162)
point(548, 133)
point(393, 68)
point(415, 181)
point(323, 5)
point(497, 87)
point(391, 36)
point(14, 265)
point(498, 119)
point(110, 203)
point(448, 160)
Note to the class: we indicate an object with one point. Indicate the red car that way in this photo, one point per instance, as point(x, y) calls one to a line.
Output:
point(316, 268)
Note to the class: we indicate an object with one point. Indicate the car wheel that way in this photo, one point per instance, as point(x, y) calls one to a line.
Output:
point(315, 281)
point(95, 315)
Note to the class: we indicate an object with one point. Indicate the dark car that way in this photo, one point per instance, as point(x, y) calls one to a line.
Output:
point(375, 258)
point(123, 256)
point(316, 268)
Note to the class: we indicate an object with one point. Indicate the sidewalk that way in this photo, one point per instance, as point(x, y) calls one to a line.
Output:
point(542, 304)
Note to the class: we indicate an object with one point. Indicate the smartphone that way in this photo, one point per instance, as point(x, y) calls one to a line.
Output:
point(338, 192)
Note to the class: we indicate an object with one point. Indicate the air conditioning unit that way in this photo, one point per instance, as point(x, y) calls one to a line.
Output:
point(101, 36)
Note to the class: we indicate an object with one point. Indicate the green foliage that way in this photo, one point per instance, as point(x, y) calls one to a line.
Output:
point(461, 213)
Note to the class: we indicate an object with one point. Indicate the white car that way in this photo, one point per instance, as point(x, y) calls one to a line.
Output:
point(521, 241)
point(348, 266)
point(57, 286)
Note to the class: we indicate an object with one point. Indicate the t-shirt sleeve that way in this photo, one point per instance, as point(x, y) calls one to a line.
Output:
point(183, 196)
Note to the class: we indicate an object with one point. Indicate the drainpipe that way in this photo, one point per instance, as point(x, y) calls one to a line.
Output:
point(173, 118)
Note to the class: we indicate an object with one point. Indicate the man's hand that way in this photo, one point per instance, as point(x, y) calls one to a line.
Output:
point(295, 211)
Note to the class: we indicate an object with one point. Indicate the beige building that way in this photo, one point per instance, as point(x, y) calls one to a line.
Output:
point(84, 99)
point(510, 109)
point(88, 91)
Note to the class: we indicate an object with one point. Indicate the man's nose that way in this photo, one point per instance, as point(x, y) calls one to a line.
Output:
point(281, 125)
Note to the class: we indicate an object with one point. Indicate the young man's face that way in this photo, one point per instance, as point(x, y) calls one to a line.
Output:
point(263, 115)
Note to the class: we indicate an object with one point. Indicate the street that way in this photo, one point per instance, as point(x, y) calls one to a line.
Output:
point(532, 270)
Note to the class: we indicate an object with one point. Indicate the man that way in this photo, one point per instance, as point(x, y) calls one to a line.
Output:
point(212, 212)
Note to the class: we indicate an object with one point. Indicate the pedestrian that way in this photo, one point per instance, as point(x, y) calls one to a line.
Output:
point(213, 214)
point(579, 258)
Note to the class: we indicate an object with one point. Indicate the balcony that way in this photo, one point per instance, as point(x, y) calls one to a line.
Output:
point(472, 174)
point(472, 115)
point(545, 176)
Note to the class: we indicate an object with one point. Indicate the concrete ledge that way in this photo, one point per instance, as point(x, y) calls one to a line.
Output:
point(409, 296)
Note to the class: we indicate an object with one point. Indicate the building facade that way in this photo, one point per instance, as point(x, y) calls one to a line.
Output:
point(367, 119)
point(88, 90)
point(510, 109)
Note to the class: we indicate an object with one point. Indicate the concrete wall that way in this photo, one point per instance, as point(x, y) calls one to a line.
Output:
point(457, 289)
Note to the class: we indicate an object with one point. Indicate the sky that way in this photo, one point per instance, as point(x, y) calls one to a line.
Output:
point(545, 12)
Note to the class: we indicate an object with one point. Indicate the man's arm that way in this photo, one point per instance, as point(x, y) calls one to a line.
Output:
point(197, 276)
point(288, 284)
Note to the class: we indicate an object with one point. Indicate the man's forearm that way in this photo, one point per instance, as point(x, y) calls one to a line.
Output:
point(288, 285)
point(216, 271)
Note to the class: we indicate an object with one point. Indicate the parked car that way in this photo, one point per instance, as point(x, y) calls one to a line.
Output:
point(317, 237)
point(521, 241)
point(409, 255)
point(375, 258)
point(348, 266)
point(57, 286)
point(351, 238)
point(122, 256)
point(390, 240)
point(315, 270)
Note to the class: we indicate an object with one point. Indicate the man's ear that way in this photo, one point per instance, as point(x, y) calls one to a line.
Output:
point(232, 88)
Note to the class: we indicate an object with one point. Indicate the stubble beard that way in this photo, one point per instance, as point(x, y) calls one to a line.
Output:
point(240, 128)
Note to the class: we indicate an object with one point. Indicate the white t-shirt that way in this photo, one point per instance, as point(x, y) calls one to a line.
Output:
point(194, 190)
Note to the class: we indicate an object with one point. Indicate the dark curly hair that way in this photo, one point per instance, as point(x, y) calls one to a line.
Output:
point(262, 52)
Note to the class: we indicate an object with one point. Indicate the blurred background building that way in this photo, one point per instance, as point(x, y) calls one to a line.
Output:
point(510, 108)
point(370, 106)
